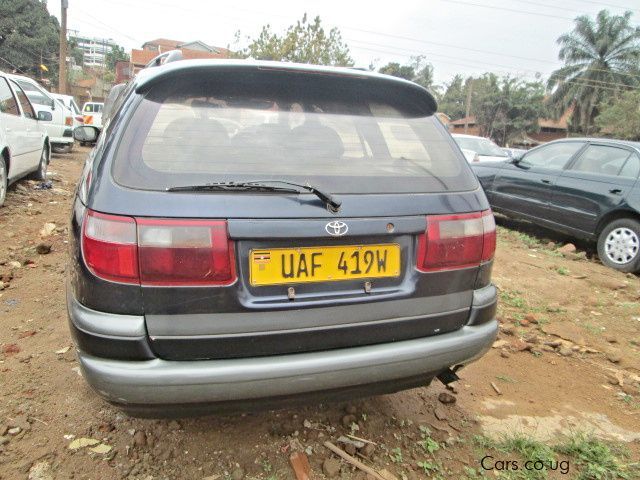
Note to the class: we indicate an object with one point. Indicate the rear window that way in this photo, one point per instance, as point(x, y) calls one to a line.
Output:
point(339, 134)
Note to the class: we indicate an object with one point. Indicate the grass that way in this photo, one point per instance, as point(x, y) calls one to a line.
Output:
point(579, 455)
point(513, 298)
point(562, 271)
point(504, 378)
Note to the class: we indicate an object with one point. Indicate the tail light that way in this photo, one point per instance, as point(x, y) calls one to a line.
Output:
point(158, 252)
point(79, 118)
point(68, 121)
point(457, 241)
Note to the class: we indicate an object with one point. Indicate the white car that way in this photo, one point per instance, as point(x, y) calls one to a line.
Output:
point(24, 143)
point(484, 148)
point(60, 128)
point(92, 112)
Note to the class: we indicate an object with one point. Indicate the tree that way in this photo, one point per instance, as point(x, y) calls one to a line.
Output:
point(31, 37)
point(453, 100)
point(395, 69)
point(621, 117)
point(115, 55)
point(599, 57)
point(506, 108)
point(305, 42)
point(418, 71)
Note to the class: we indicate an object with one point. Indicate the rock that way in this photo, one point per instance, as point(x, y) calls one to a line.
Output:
point(508, 330)
point(14, 431)
point(351, 409)
point(15, 264)
point(446, 398)
point(331, 467)
point(533, 339)
point(43, 248)
point(567, 248)
point(630, 389)
point(566, 331)
point(611, 339)
point(40, 471)
point(523, 323)
point(520, 346)
point(565, 352)
point(139, 439)
point(614, 357)
point(553, 343)
point(440, 413)
point(499, 343)
point(4, 440)
point(368, 450)
point(531, 318)
point(47, 229)
point(237, 474)
point(504, 354)
point(350, 448)
point(612, 379)
point(174, 425)
point(347, 420)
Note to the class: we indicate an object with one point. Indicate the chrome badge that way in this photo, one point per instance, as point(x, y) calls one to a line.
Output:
point(336, 228)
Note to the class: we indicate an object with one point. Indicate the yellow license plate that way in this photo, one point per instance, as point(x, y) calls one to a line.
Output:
point(277, 266)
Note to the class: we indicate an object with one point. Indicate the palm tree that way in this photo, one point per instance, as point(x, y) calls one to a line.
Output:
point(601, 59)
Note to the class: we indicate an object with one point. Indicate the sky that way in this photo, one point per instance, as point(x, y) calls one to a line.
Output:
point(468, 37)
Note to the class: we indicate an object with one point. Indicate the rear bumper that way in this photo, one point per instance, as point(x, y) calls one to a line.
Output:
point(162, 382)
point(154, 382)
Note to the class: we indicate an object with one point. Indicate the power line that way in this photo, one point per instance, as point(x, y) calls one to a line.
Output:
point(514, 10)
point(602, 4)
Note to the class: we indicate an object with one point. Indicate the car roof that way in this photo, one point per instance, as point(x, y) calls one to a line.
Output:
point(611, 141)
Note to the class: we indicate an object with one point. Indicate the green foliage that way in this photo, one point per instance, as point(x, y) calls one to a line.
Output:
point(621, 117)
point(597, 460)
point(117, 54)
point(453, 100)
point(600, 57)
point(418, 71)
point(506, 108)
point(396, 455)
point(31, 37)
point(305, 42)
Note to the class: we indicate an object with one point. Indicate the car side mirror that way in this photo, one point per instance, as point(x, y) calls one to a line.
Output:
point(86, 133)
point(45, 116)
point(516, 158)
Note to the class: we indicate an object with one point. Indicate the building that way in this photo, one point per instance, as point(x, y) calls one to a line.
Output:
point(153, 48)
point(549, 129)
point(94, 50)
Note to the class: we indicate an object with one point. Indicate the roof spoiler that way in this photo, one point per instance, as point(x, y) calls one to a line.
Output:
point(166, 57)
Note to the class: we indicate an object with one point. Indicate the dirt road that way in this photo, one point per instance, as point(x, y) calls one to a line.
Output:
point(567, 361)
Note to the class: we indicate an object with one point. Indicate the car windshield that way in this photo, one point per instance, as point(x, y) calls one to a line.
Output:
point(346, 145)
point(482, 146)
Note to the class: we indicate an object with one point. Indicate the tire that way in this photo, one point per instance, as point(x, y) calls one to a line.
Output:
point(4, 181)
point(619, 245)
point(41, 173)
point(62, 148)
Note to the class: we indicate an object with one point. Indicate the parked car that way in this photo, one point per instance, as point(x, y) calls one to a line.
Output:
point(24, 144)
point(484, 148)
point(92, 112)
point(306, 255)
point(60, 127)
point(584, 187)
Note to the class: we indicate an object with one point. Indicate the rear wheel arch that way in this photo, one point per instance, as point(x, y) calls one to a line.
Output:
point(613, 216)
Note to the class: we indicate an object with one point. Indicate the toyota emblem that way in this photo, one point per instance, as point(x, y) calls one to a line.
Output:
point(336, 228)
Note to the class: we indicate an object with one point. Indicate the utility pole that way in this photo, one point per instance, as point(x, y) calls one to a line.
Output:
point(62, 75)
point(467, 110)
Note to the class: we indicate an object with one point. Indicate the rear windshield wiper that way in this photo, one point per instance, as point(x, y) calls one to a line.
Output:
point(260, 186)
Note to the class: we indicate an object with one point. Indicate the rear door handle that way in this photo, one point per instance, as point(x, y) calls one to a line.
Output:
point(615, 191)
point(546, 181)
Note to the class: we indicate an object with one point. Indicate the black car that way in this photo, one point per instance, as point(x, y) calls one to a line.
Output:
point(585, 187)
point(252, 232)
